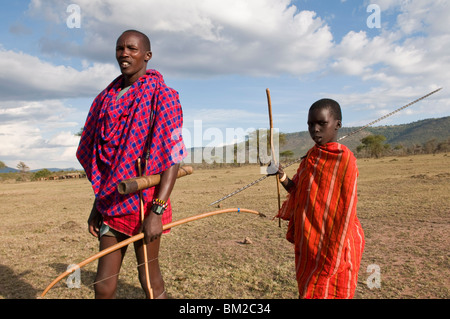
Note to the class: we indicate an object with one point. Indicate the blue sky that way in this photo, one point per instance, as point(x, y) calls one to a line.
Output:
point(220, 56)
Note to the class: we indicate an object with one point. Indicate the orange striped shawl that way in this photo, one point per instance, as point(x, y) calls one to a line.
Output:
point(323, 224)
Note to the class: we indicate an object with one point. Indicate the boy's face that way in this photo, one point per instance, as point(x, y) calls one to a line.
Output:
point(322, 126)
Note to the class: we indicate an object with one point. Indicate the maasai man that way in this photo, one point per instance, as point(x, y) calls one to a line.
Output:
point(136, 116)
point(321, 209)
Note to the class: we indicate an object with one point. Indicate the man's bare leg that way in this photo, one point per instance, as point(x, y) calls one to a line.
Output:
point(156, 279)
point(108, 268)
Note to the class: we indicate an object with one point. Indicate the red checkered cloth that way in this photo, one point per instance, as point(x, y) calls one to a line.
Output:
point(130, 224)
point(116, 134)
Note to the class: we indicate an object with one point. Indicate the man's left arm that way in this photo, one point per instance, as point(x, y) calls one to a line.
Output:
point(152, 226)
point(168, 178)
point(168, 143)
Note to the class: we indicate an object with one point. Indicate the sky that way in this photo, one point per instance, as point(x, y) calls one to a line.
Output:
point(371, 56)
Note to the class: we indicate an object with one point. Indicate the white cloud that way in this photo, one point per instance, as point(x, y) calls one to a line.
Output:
point(24, 142)
point(430, 16)
point(254, 37)
point(47, 113)
point(220, 126)
point(27, 77)
point(30, 132)
point(400, 63)
point(379, 101)
point(64, 139)
point(219, 117)
point(257, 38)
point(261, 38)
point(360, 55)
point(17, 138)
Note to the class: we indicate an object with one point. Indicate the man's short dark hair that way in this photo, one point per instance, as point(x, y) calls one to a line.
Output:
point(145, 39)
point(330, 104)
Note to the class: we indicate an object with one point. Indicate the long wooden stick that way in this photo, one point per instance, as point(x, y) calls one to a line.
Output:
point(269, 102)
point(144, 245)
point(136, 184)
point(140, 236)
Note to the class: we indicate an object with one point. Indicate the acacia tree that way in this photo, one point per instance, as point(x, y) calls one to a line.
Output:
point(22, 167)
point(373, 144)
point(287, 154)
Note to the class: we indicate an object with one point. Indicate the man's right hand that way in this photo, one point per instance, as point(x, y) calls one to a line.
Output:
point(152, 227)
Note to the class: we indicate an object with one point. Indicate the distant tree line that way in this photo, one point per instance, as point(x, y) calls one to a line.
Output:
point(21, 166)
point(23, 174)
point(375, 146)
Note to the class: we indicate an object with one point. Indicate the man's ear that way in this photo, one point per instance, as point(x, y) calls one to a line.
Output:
point(148, 56)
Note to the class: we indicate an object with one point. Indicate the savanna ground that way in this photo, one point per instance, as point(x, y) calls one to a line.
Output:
point(403, 207)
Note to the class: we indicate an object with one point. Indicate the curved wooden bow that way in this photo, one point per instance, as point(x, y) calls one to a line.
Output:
point(141, 236)
point(272, 148)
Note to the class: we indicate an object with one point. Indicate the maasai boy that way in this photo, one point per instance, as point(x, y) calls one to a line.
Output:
point(321, 209)
point(136, 116)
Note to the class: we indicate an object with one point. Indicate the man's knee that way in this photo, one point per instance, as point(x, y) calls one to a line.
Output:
point(105, 289)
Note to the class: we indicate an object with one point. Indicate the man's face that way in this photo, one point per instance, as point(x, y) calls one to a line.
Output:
point(322, 126)
point(132, 56)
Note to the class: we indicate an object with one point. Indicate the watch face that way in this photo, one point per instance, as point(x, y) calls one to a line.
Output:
point(158, 210)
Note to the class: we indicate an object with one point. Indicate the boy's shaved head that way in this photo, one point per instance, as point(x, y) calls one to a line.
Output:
point(324, 121)
point(330, 104)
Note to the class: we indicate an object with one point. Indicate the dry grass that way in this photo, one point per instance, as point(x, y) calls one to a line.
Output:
point(403, 206)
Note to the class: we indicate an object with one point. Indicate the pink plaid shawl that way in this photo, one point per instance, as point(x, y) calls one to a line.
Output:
point(116, 134)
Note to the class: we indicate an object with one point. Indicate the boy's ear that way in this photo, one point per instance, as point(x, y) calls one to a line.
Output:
point(339, 124)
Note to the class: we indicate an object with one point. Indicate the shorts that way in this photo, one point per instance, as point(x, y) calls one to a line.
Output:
point(105, 230)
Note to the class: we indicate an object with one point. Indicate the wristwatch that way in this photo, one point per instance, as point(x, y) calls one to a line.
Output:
point(158, 209)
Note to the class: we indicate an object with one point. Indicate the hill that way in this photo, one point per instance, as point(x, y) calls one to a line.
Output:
point(406, 135)
point(7, 169)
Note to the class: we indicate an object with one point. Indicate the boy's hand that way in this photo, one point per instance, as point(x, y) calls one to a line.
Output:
point(273, 169)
